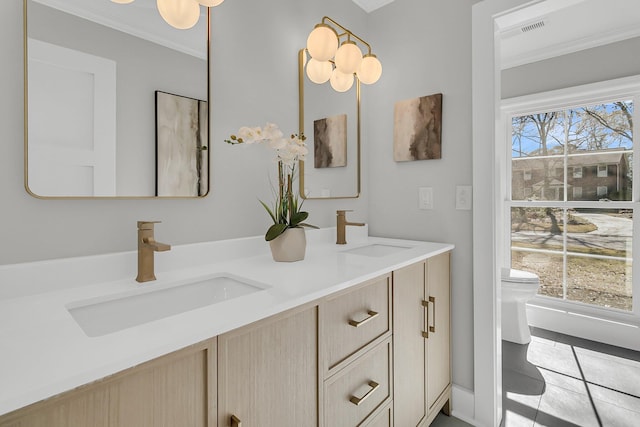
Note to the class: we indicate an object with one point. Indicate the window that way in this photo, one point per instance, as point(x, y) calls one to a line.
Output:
point(577, 193)
point(602, 171)
point(552, 229)
point(527, 174)
point(577, 172)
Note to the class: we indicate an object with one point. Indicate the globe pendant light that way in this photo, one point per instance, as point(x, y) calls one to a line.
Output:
point(319, 71)
point(181, 14)
point(341, 82)
point(370, 69)
point(322, 42)
point(210, 3)
point(348, 57)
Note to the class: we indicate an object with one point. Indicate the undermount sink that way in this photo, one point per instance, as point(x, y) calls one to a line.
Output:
point(376, 250)
point(114, 313)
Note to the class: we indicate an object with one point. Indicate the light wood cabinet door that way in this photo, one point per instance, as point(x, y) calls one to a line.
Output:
point(268, 372)
point(174, 390)
point(409, 349)
point(438, 347)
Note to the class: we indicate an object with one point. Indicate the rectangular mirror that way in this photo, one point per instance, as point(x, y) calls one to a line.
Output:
point(93, 125)
point(331, 122)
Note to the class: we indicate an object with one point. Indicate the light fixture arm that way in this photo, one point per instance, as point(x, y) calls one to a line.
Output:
point(346, 32)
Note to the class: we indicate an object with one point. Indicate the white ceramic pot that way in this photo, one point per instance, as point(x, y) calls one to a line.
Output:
point(289, 246)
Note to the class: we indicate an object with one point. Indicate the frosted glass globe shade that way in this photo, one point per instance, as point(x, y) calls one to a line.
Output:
point(340, 81)
point(348, 57)
point(319, 71)
point(181, 14)
point(122, 1)
point(210, 3)
point(322, 42)
point(370, 69)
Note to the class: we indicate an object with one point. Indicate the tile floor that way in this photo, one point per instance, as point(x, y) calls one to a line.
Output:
point(558, 380)
point(563, 381)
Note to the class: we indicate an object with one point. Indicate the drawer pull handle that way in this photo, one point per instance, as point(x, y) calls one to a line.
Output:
point(371, 315)
point(425, 333)
point(433, 301)
point(235, 421)
point(358, 400)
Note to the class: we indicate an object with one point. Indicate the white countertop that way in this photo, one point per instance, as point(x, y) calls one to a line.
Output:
point(44, 352)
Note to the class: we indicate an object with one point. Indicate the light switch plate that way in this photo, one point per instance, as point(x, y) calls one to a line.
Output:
point(463, 197)
point(425, 198)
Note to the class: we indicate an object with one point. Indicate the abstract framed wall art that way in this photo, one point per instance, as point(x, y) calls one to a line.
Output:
point(417, 129)
point(330, 142)
point(182, 160)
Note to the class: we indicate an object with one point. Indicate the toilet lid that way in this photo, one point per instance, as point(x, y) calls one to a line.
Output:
point(519, 276)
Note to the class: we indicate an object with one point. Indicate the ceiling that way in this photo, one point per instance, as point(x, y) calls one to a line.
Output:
point(371, 5)
point(141, 19)
point(557, 27)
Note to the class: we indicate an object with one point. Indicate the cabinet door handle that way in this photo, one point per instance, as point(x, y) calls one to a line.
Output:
point(235, 421)
point(371, 315)
point(358, 400)
point(433, 301)
point(425, 333)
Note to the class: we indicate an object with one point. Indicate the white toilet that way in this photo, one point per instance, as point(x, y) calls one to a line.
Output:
point(518, 287)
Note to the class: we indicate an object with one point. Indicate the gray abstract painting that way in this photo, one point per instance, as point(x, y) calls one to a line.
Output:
point(330, 142)
point(181, 146)
point(417, 129)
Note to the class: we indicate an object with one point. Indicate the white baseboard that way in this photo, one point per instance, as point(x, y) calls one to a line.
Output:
point(463, 404)
point(621, 334)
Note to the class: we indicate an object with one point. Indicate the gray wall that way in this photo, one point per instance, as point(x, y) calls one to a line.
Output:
point(254, 80)
point(601, 63)
point(425, 48)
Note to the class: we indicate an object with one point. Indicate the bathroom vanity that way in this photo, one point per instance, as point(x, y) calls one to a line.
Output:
point(356, 334)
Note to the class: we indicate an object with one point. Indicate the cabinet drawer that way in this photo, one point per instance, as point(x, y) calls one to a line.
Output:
point(383, 419)
point(353, 320)
point(355, 392)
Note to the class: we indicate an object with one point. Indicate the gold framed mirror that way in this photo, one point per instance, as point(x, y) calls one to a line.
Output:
point(331, 122)
point(116, 101)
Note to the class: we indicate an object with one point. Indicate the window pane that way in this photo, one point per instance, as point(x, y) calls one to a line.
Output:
point(547, 266)
point(536, 228)
point(600, 143)
point(537, 151)
point(601, 282)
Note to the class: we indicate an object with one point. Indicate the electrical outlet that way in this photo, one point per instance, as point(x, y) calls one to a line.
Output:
point(425, 198)
point(463, 197)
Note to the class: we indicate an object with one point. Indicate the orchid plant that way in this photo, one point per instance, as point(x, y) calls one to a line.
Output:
point(286, 211)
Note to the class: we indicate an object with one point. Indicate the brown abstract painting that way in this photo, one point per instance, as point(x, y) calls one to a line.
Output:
point(181, 146)
point(417, 129)
point(330, 142)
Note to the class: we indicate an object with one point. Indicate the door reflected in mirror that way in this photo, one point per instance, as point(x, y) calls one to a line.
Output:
point(92, 70)
point(331, 122)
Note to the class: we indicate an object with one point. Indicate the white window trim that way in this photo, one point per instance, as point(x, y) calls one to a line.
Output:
point(605, 170)
point(594, 93)
point(580, 173)
point(574, 191)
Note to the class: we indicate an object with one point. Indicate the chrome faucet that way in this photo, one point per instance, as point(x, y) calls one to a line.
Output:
point(147, 245)
point(342, 226)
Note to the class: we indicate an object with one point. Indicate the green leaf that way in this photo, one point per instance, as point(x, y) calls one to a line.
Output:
point(273, 217)
point(274, 231)
point(304, 224)
point(298, 217)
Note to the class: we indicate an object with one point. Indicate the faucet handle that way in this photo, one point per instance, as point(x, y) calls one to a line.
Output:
point(147, 225)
